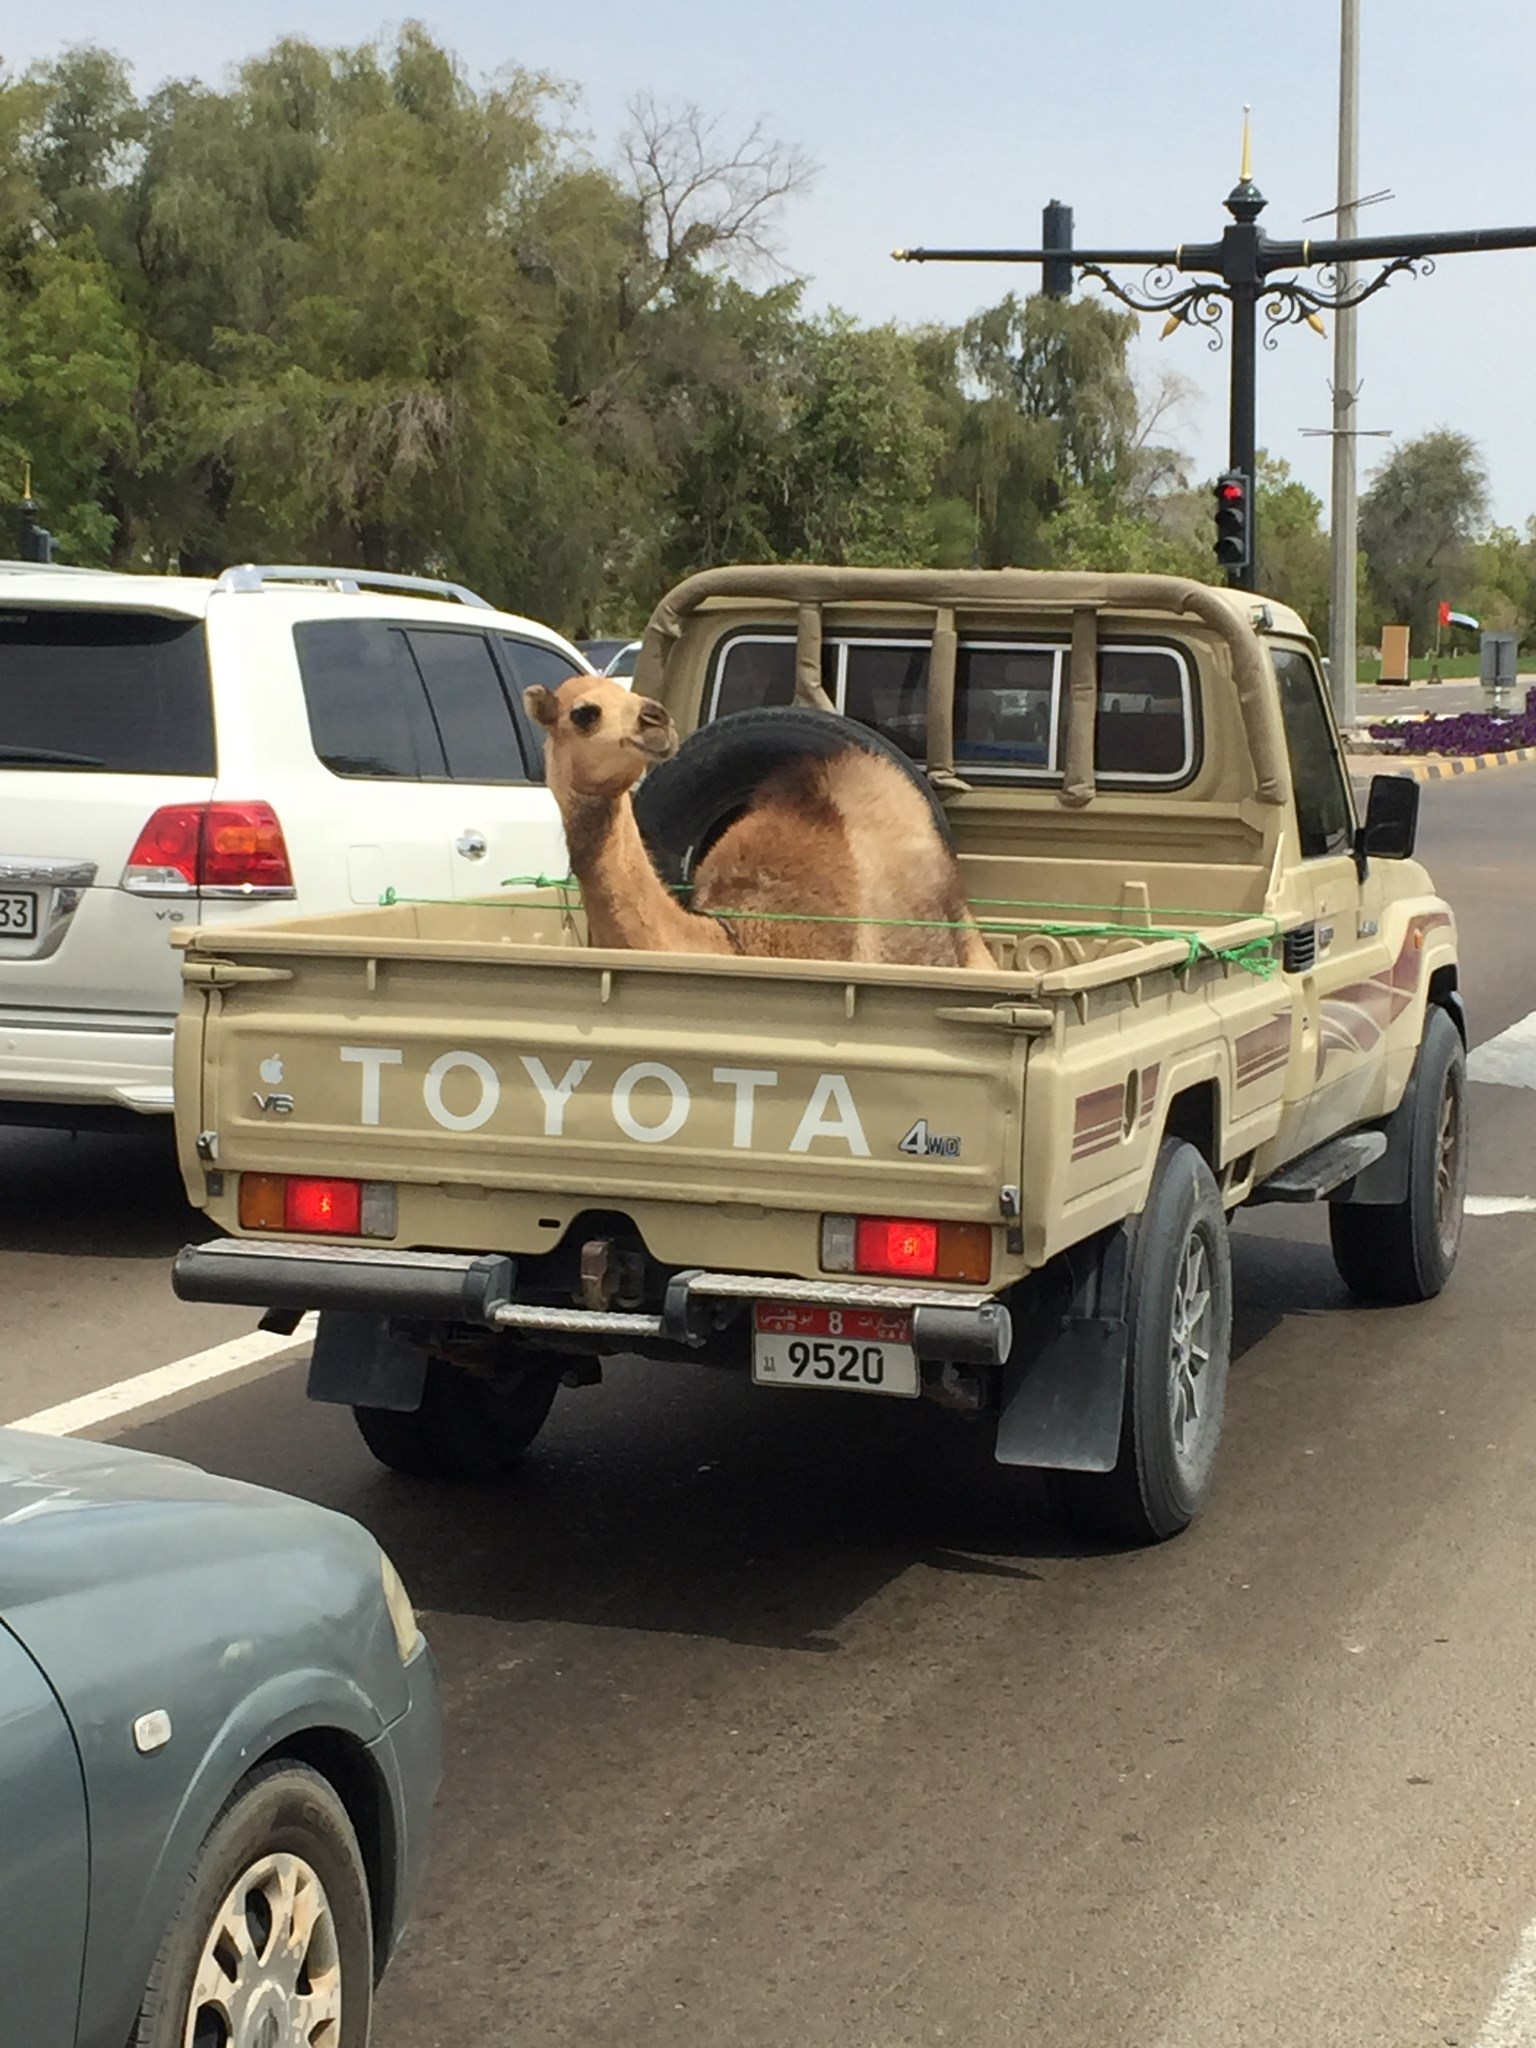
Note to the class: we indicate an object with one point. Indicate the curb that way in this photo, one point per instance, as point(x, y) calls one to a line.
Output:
point(1436, 770)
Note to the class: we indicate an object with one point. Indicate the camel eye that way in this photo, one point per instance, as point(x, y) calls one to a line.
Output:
point(586, 716)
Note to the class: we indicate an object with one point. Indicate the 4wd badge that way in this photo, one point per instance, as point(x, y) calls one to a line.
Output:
point(921, 1143)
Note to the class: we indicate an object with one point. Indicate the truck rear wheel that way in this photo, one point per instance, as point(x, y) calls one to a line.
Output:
point(469, 1425)
point(1405, 1251)
point(1180, 1311)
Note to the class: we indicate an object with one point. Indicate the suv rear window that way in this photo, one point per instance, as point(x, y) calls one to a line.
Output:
point(123, 692)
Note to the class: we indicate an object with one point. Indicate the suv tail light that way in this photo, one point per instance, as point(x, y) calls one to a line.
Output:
point(221, 849)
point(907, 1248)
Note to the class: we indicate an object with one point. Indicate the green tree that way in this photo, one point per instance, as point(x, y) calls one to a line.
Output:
point(1293, 561)
point(1417, 521)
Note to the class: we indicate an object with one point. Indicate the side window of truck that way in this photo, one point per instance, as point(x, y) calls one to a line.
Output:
point(1323, 816)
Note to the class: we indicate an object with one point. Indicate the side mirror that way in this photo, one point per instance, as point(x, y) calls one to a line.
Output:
point(1391, 819)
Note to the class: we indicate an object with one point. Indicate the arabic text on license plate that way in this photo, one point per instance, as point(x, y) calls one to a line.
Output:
point(18, 917)
point(856, 1350)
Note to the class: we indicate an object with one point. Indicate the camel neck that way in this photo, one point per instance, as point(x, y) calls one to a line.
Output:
point(625, 900)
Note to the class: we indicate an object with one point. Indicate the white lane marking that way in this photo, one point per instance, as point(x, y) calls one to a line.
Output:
point(1501, 1205)
point(124, 1396)
point(1509, 1059)
point(1511, 2023)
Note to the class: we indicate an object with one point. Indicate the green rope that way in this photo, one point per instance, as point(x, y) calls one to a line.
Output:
point(1253, 956)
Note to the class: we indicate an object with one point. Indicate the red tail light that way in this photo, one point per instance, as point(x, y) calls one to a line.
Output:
point(896, 1244)
point(907, 1248)
point(318, 1206)
point(330, 1207)
point(227, 847)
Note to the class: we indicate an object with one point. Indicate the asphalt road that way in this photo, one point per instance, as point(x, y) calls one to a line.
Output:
point(773, 1722)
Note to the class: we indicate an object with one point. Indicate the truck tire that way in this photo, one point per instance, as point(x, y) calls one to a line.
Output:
point(1405, 1251)
point(469, 1425)
point(1180, 1343)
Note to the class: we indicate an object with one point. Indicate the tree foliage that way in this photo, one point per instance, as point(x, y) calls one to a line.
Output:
point(353, 306)
point(1418, 521)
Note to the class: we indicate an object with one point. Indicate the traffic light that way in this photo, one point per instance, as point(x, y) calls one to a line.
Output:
point(1056, 234)
point(1234, 519)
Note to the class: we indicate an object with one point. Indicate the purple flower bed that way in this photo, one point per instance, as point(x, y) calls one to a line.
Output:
point(1464, 732)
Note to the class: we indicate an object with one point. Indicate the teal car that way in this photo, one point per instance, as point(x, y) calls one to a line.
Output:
point(219, 1747)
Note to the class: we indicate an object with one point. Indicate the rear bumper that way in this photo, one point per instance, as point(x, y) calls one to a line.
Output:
point(76, 1062)
point(947, 1326)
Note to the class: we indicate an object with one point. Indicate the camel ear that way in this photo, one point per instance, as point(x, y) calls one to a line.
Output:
point(540, 704)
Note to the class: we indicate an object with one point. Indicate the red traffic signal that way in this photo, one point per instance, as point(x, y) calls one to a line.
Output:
point(1234, 519)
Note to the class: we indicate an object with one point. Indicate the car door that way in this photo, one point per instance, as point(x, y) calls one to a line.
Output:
point(43, 1859)
point(504, 824)
point(1339, 956)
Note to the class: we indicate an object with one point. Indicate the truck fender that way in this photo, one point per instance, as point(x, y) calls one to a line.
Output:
point(1385, 1182)
point(359, 1362)
point(1063, 1395)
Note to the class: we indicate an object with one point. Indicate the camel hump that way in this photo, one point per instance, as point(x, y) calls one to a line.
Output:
point(684, 805)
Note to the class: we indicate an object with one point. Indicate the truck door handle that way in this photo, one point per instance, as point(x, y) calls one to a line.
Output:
point(472, 845)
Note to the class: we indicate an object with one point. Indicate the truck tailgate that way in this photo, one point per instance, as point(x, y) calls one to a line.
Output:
point(546, 1070)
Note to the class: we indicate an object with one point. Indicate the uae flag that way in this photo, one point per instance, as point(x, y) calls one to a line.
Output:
point(1450, 618)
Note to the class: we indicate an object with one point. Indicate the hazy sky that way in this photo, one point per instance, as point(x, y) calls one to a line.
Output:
point(947, 125)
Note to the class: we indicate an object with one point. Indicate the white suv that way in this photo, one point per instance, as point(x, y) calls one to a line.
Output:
point(278, 742)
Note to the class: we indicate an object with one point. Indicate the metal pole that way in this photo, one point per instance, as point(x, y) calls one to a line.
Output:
point(1242, 429)
point(1343, 637)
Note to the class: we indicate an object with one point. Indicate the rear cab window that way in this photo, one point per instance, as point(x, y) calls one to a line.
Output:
point(102, 691)
point(1010, 701)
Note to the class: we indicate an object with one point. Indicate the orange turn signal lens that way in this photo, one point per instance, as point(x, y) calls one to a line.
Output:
point(965, 1253)
point(263, 1200)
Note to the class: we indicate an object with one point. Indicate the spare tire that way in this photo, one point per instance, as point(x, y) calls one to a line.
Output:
point(683, 806)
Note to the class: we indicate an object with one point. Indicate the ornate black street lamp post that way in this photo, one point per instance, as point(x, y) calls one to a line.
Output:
point(1240, 269)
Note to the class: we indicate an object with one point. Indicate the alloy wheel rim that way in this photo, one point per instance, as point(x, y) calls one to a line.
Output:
point(1448, 1197)
point(269, 1975)
point(1189, 1346)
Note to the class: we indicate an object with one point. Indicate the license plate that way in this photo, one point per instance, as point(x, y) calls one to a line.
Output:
point(848, 1350)
point(18, 917)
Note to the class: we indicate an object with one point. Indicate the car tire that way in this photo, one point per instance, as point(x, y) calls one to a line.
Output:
point(469, 1425)
point(1406, 1251)
point(1180, 1345)
point(281, 1860)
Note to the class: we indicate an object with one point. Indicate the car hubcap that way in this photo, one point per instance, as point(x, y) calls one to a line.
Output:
point(270, 1972)
point(1448, 1174)
point(1189, 1378)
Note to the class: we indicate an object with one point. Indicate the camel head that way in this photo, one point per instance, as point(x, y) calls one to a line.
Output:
point(601, 737)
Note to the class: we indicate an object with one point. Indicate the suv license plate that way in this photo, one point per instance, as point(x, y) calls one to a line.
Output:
point(18, 917)
point(847, 1350)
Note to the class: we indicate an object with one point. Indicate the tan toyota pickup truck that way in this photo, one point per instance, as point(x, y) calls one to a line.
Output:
point(490, 1154)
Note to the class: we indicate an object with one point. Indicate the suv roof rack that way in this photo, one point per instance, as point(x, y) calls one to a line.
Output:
point(256, 575)
point(12, 565)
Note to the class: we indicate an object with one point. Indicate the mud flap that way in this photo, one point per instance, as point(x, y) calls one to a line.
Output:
point(358, 1363)
point(1064, 1384)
